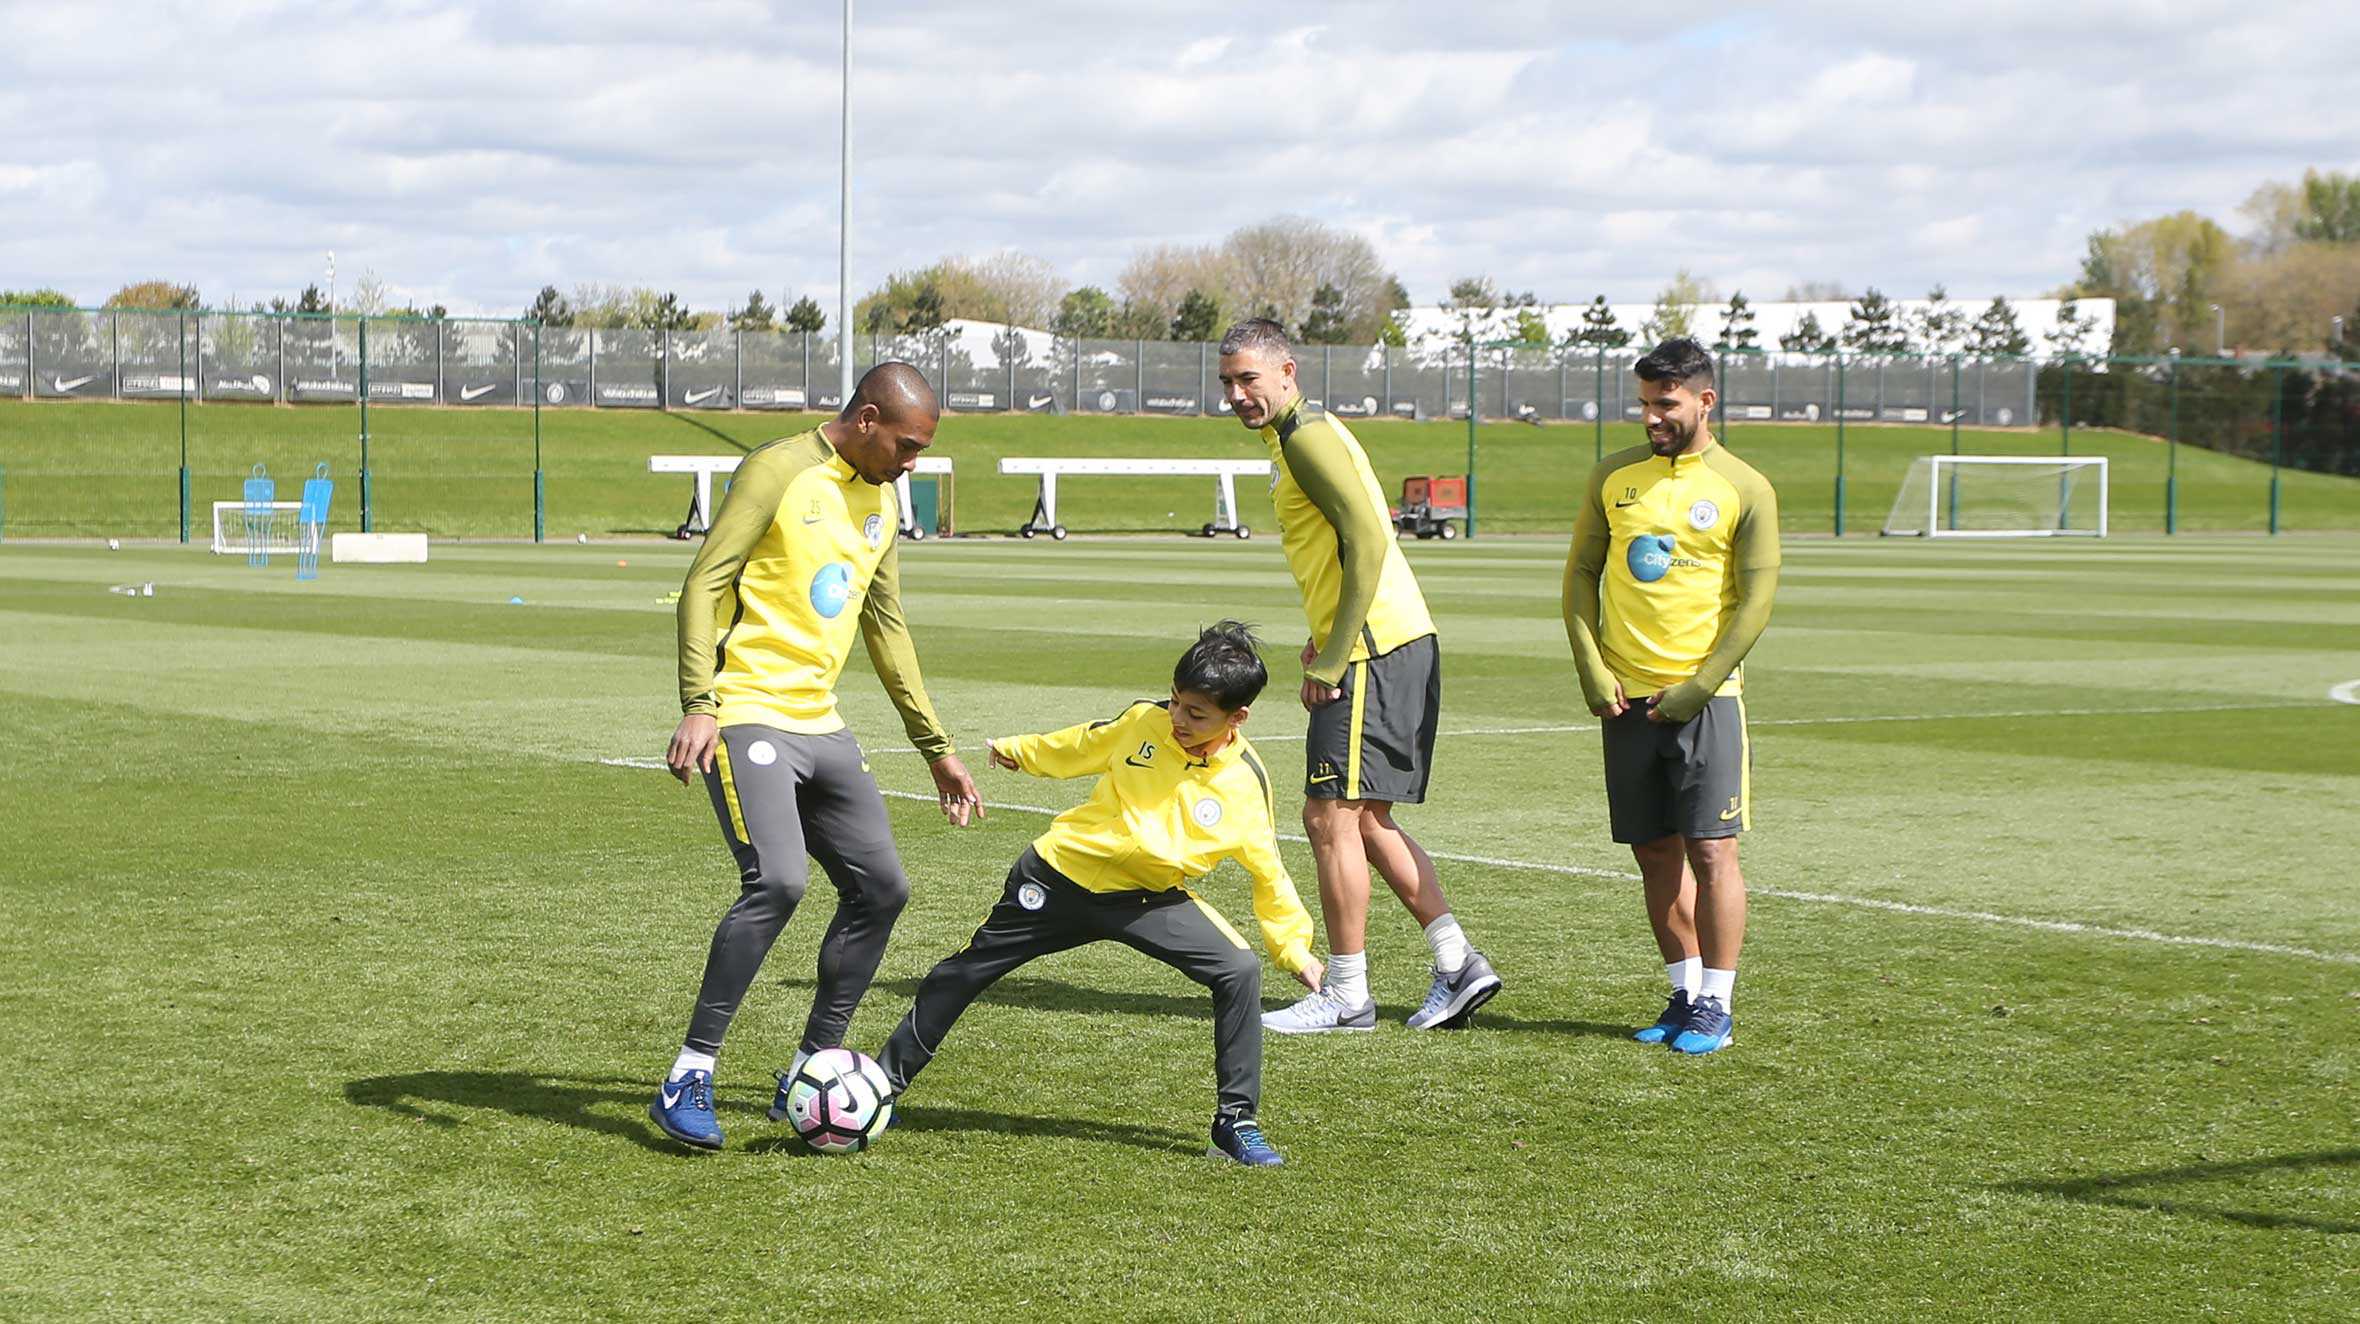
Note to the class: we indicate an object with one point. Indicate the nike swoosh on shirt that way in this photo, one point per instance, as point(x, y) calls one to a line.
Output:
point(1620, 504)
point(1134, 762)
point(699, 397)
point(477, 392)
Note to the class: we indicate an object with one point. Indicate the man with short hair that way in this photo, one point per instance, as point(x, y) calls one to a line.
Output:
point(1668, 585)
point(1372, 680)
point(801, 556)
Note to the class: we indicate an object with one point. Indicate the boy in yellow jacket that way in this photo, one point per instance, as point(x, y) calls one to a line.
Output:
point(1179, 790)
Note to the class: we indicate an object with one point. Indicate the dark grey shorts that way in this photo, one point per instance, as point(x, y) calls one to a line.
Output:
point(1690, 780)
point(1377, 742)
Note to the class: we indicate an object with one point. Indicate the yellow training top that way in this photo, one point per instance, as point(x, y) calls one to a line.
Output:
point(1358, 591)
point(1678, 541)
point(1159, 817)
point(800, 555)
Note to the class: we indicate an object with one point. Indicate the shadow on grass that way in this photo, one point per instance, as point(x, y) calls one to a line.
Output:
point(702, 426)
point(924, 1118)
point(2139, 1190)
point(1034, 993)
point(610, 1106)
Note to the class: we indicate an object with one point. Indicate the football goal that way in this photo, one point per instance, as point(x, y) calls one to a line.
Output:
point(2001, 496)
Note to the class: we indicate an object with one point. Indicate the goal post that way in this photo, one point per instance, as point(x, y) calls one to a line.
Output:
point(2001, 496)
point(258, 528)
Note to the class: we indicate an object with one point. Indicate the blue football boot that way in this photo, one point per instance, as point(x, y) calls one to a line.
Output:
point(1241, 1139)
point(683, 1110)
point(1710, 1028)
point(778, 1101)
point(1675, 1015)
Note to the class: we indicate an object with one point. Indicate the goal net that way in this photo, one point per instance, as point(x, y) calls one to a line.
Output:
point(2001, 496)
point(256, 529)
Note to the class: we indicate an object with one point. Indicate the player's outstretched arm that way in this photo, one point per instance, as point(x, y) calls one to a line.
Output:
point(1084, 750)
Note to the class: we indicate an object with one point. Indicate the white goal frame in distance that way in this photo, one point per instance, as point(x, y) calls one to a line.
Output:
point(1934, 527)
point(240, 519)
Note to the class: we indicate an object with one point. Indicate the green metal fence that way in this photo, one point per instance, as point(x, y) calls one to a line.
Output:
point(502, 428)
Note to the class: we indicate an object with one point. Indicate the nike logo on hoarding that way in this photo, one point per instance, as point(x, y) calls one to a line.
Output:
point(477, 392)
point(699, 397)
point(1036, 401)
point(66, 384)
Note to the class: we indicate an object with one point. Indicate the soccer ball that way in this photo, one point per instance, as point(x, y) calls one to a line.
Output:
point(839, 1101)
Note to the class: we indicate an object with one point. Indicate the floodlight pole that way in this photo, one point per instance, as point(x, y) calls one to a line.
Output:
point(2171, 443)
point(844, 230)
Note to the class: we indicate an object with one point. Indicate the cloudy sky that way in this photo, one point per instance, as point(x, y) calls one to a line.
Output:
point(469, 153)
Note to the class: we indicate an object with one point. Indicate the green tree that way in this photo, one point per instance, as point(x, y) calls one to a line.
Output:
point(1086, 313)
point(1808, 337)
point(40, 298)
point(806, 316)
point(1675, 308)
point(1199, 318)
point(2163, 274)
point(925, 313)
point(1598, 329)
point(549, 308)
point(1737, 327)
point(1530, 326)
point(1940, 325)
point(1874, 326)
point(1997, 333)
point(1379, 323)
point(1324, 324)
point(757, 315)
point(1140, 321)
point(2071, 336)
point(2330, 208)
point(154, 294)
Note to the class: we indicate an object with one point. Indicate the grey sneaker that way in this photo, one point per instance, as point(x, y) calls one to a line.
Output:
point(1454, 998)
point(1320, 1013)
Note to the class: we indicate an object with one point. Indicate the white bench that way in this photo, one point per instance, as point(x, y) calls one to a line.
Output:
point(1224, 474)
point(701, 469)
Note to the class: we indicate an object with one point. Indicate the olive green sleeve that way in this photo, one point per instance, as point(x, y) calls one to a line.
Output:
point(895, 657)
point(1754, 557)
point(748, 508)
point(1585, 564)
point(1322, 466)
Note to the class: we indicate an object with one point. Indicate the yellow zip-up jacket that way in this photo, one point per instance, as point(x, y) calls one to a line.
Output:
point(1358, 591)
point(801, 556)
point(1159, 817)
point(1670, 578)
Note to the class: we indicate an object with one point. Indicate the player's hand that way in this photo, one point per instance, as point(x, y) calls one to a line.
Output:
point(1677, 703)
point(1001, 760)
point(1317, 693)
point(1614, 707)
point(1312, 974)
point(692, 745)
point(956, 791)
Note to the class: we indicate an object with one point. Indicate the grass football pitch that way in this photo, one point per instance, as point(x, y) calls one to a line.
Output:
point(346, 933)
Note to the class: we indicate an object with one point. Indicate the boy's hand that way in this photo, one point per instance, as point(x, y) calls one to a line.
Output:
point(1001, 760)
point(1311, 975)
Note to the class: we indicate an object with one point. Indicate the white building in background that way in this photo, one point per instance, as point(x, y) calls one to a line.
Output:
point(1431, 327)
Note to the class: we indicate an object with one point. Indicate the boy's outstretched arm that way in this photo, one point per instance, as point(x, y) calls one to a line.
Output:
point(1076, 751)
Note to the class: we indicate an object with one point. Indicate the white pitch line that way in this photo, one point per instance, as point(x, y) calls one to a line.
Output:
point(1578, 727)
point(2348, 692)
point(1823, 898)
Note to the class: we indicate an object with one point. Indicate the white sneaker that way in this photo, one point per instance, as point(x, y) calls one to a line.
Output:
point(1320, 1013)
point(1453, 998)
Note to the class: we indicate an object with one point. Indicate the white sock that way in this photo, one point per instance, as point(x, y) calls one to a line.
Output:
point(690, 1060)
point(1686, 974)
point(1449, 943)
point(1347, 977)
point(1719, 984)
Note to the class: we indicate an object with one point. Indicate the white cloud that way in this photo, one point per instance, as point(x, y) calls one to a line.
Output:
point(471, 152)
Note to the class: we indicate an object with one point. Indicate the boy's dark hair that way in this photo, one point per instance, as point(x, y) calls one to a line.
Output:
point(1679, 359)
point(1224, 665)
